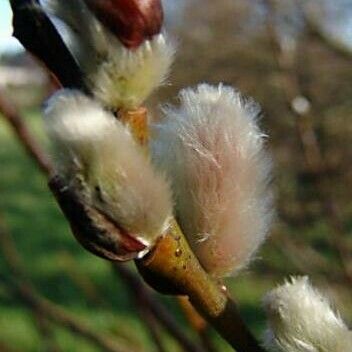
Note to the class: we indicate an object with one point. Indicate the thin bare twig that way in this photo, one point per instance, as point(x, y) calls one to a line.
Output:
point(48, 340)
point(12, 257)
point(144, 295)
point(81, 280)
point(12, 116)
point(56, 314)
point(197, 323)
point(153, 327)
point(21, 286)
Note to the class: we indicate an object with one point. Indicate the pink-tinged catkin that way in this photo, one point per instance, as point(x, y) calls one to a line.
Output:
point(212, 150)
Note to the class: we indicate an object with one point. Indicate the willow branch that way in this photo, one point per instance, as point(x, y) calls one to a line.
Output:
point(172, 268)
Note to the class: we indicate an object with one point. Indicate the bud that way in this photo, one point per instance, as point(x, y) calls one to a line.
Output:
point(127, 78)
point(119, 76)
point(213, 152)
point(301, 320)
point(98, 158)
point(132, 21)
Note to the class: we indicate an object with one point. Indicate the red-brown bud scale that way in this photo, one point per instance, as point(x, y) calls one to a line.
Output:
point(132, 21)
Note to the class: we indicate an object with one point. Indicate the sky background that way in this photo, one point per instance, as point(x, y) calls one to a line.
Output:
point(6, 41)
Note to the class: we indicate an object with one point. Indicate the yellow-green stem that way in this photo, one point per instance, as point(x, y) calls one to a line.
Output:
point(173, 268)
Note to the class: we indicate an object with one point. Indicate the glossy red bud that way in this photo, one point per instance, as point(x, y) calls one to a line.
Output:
point(132, 21)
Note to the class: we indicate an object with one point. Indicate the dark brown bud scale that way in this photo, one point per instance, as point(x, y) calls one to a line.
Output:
point(132, 21)
point(94, 230)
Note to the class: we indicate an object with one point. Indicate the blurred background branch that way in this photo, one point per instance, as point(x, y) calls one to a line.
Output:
point(19, 285)
point(286, 58)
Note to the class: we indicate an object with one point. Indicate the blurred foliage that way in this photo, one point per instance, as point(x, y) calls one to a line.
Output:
point(223, 41)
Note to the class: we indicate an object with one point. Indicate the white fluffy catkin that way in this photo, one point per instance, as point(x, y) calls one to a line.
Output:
point(98, 155)
point(119, 77)
point(213, 152)
point(127, 77)
point(301, 320)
